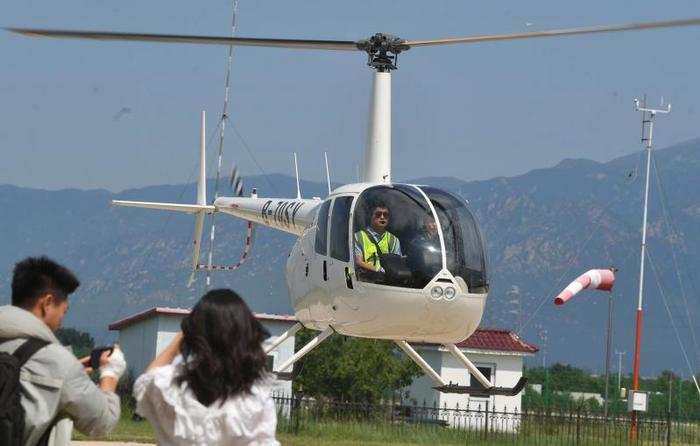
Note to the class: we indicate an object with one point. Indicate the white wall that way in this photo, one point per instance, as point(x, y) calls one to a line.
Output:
point(168, 328)
point(282, 353)
point(136, 341)
point(421, 390)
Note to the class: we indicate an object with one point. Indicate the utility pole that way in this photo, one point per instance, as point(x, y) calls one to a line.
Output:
point(545, 390)
point(619, 370)
point(619, 380)
point(518, 301)
point(648, 115)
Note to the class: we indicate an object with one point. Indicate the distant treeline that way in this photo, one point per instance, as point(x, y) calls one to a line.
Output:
point(667, 391)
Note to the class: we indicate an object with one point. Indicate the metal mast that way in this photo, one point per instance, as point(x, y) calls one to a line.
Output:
point(382, 55)
point(648, 115)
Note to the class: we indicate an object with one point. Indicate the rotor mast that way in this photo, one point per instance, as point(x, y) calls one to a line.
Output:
point(382, 53)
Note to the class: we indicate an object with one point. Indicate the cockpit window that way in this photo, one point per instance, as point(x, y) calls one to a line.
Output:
point(390, 223)
point(322, 228)
point(396, 238)
point(464, 244)
point(340, 223)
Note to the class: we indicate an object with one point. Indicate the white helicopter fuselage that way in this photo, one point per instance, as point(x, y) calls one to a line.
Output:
point(325, 290)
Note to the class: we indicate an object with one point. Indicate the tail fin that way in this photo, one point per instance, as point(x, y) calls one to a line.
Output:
point(200, 209)
point(201, 200)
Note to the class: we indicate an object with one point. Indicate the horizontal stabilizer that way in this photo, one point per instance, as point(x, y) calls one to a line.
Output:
point(166, 206)
point(481, 391)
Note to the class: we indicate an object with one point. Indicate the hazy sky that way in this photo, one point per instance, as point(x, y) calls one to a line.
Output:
point(118, 115)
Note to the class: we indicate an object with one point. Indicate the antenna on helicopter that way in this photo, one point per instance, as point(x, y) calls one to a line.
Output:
point(296, 171)
point(328, 175)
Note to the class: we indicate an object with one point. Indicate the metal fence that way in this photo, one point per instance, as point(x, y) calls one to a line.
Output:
point(442, 425)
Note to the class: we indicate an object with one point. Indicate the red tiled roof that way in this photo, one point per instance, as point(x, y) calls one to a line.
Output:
point(184, 311)
point(497, 339)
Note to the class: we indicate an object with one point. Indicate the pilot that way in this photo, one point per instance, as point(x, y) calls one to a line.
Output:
point(375, 238)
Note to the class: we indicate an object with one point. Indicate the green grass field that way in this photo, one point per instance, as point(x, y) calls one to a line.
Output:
point(332, 433)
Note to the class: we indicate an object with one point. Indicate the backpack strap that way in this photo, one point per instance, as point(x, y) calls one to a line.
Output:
point(28, 348)
point(23, 353)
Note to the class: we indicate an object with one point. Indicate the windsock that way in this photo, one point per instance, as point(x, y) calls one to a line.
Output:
point(599, 279)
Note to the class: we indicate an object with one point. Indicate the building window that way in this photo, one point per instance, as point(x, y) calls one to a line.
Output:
point(487, 371)
point(269, 363)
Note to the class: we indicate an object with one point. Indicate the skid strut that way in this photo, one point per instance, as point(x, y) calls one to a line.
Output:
point(406, 347)
point(486, 388)
point(283, 337)
point(302, 352)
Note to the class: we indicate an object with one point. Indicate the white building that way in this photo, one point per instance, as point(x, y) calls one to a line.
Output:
point(144, 335)
point(498, 354)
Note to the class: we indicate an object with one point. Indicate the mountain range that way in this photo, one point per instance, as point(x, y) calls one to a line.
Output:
point(543, 229)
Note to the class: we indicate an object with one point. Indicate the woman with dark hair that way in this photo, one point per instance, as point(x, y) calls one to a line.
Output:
point(209, 386)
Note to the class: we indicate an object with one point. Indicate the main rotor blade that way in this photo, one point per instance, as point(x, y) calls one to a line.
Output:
point(560, 32)
point(337, 45)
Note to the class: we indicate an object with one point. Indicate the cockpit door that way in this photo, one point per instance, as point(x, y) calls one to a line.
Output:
point(339, 265)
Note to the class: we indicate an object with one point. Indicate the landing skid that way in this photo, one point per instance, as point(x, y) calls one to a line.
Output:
point(480, 391)
point(284, 376)
point(486, 388)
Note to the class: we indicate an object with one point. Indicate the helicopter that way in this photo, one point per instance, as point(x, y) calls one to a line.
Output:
point(433, 290)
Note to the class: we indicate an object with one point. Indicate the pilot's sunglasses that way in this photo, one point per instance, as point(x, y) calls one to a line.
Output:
point(380, 214)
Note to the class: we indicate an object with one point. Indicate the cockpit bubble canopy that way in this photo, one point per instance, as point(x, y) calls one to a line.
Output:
point(412, 223)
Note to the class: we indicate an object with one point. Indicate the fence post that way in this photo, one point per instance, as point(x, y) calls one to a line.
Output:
point(486, 419)
point(578, 425)
point(296, 406)
point(668, 428)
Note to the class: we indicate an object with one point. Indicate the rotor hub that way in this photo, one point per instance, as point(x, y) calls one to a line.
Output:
point(382, 51)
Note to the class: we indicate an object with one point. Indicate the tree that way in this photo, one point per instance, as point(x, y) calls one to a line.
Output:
point(352, 369)
point(81, 342)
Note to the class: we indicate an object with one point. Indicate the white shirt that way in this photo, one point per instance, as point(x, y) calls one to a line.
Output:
point(180, 419)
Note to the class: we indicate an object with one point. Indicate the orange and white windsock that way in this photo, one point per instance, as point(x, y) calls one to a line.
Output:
point(599, 279)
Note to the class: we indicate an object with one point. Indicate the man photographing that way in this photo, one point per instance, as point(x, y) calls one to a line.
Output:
point(56, 390)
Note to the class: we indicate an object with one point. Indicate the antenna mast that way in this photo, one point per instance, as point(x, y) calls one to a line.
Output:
point(328, 174)
point(296, 171)
point(648, 115)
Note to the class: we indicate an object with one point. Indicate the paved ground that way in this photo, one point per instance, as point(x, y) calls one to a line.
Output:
point(106, 443)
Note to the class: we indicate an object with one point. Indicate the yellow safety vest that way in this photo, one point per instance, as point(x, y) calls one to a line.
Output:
point(387, 244)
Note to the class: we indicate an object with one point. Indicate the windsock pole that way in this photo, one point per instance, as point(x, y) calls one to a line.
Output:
point(648, 115)
point(599, 279)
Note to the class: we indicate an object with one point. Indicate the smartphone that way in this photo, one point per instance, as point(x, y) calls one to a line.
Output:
point(96, 354)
